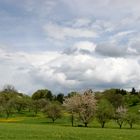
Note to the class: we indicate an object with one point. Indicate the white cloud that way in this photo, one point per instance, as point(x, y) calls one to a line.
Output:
point(101, 40)
point(73, 72)
point(123, 34)
point(62, 32)
point(106, 8)
point(82, 22)
point(111, 50)
point(61, 72)
point(84, 47)
point(41, 8)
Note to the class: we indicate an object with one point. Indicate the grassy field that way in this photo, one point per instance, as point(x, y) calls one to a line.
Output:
point(37, 128)
point(26, 127)
point(20, 131)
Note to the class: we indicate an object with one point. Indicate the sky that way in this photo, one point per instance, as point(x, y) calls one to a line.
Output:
point(69, 45)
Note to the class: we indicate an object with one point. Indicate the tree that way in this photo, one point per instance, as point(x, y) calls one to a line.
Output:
point(60, 98)
point(82, 104)
point(131, 119)
point(72, 94)
point(123, 92)
point(7, 102)
point(42, 93)
point(11, 100)
point(87, 107)
point(6, 106)
point(19, 102)
point(104, 112)
point(133, 92)
point(71, 104)
point(53, 111)
point(38, 105)
point(9, 89)
point(120, 115)
point(132, 100)
point(1, 105)
point(114, 97)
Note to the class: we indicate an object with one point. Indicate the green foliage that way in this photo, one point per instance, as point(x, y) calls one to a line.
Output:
point(105, 112)
point(81, 107)
point(19, 103)
point(132, 100)
point(42, 93)
point(73, 93)
point(53, 110)
point(7, 107)
point(38, 105)
point(60, 98)
point(11, 101)
point(133, 92)
point(114, 97)
point(132, 118)
point(120, 115)
point(9, 89)
point(7, 102)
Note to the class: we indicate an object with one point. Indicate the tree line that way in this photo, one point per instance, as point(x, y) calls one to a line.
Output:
point(111, 104)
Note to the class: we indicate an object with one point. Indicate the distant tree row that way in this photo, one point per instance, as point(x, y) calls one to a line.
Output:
point(111, 104)
point(11, 101)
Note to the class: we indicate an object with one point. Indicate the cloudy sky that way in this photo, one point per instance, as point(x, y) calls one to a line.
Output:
point(67, 45)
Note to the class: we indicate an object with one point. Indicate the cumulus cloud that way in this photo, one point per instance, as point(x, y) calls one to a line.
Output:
point(69, 72)
point(111, 50)
point(98, 43)
point(63, 72)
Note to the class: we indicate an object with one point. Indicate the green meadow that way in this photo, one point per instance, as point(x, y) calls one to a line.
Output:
point(39, 128)
point(31, 122)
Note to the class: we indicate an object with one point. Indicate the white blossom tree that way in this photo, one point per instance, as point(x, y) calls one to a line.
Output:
point(120, 115)
point(72, 105)
point(82, 104)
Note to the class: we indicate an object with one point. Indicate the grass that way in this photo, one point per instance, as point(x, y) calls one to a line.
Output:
point(21, 131)
point(25, 127)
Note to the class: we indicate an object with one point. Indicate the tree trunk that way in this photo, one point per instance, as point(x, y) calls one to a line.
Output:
point(86, 124)
point(120, 126)
point(131, 125)
point(53, 120)
point(7, 115)
point(72, 119)
point(103, 124)
point(36, 111)
point(19, 109)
